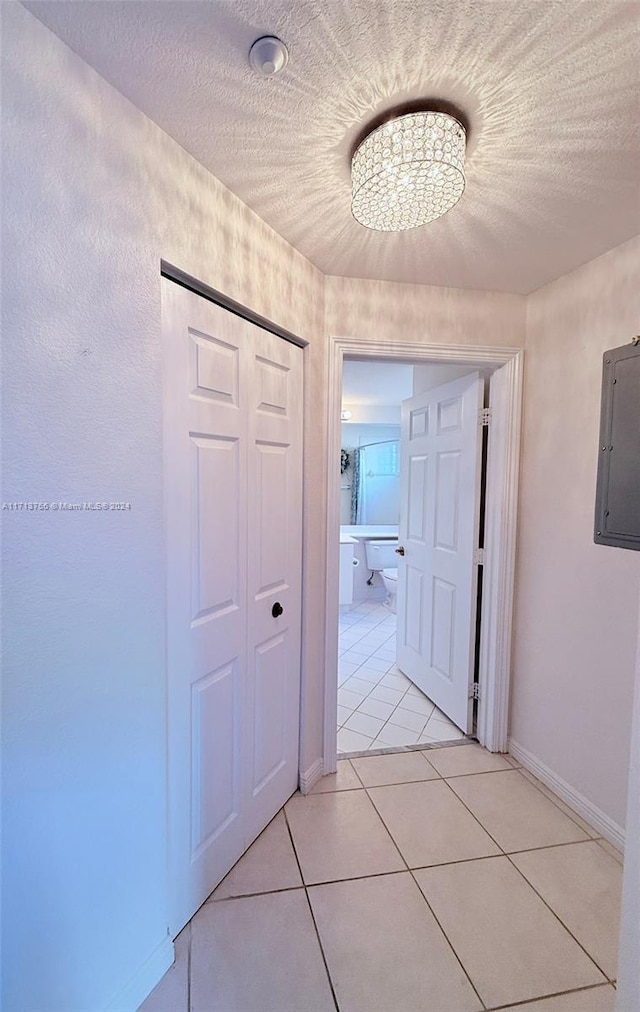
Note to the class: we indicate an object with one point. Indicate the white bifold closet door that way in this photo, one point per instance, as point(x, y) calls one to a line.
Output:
point(233, 502)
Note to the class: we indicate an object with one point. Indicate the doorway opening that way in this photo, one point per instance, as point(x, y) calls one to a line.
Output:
point(375, 695)
point(380, 705)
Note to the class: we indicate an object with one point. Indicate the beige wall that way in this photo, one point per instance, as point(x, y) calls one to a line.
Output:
point(426, 377)
point(387, 311)
point(628, 998)
point(577, 603)
point(94, 196)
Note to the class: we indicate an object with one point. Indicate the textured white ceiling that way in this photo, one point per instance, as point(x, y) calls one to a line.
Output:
point(551, 89)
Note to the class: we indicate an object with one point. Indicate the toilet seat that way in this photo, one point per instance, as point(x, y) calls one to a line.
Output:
point(391, 574)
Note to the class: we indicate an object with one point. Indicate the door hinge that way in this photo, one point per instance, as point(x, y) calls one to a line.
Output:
point(475, 691)
point(478, 556)
point(485, 416)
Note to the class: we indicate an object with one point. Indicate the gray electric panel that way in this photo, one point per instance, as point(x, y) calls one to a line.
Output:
point(618, 488)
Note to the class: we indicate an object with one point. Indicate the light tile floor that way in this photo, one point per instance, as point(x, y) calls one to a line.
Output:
point(378, 707)
point(443, 880)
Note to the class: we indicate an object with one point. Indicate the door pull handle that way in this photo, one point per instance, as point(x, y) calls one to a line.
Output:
point(277, 610)
point(399, 551)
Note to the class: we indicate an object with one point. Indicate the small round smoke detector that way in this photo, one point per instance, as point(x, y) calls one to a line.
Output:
point(268, 55)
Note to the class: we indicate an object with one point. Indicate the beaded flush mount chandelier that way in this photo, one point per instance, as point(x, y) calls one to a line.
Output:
point(408, 171)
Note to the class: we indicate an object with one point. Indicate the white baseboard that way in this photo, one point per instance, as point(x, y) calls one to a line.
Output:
point(311, 776)
point(601, 822)
point(150, 973)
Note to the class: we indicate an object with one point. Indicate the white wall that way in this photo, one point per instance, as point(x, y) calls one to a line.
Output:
point(628, 996)
point(369, 432)
point(370, 387)
point(577, 603)
point(94, 195)
point(371, 414)
point(387, 311)
point(426, 377)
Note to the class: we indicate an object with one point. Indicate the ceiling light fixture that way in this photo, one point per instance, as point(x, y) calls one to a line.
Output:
point(408, 171)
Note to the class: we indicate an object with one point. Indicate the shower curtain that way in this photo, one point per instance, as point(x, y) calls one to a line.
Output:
point(356, 497)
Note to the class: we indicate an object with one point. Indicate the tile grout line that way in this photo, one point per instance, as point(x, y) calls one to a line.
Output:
point(617, 856)
point(209, 898)
point(383, 745)
point(262, 892)
point(408, 869)
point(513, 865)
point(397, 705)
point(337, 881)
point(459, 776)
point(573, 817)
point(313, 919)
point(539, 785)
point(429, 907)
point(189, 967)
point(504, 853)
point(548, 846)
point(456, 776)
point(557, 994)
point(357, 775)
point(389, 720)
point(608, 979)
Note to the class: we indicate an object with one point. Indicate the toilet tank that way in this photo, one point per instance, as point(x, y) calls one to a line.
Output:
point(381, 554)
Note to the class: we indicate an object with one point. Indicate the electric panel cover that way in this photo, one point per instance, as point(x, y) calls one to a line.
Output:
point(617, 521)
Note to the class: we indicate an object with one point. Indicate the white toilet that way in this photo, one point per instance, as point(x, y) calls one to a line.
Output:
point(390, 580)
point(382, 558)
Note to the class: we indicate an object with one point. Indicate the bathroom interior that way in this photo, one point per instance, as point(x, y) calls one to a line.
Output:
point(379, 707)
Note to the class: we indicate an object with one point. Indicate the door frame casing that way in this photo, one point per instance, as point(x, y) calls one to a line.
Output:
point(503, 460)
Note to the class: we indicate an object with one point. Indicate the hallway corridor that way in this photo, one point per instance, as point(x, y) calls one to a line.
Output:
point(438, 880)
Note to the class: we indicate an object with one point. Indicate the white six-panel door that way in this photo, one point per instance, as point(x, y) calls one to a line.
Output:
point(437, 579)
point(274, 575)
point(233, 502)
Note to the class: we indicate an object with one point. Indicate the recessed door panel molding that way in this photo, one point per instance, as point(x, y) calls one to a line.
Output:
point(447, 500)
point(269, 730)
point(417, 500)
point(449, 415)
point(442, 627)
point(272, 461)
point(216, 488)
point(414, 609)
point(214, 748)
point(419, 423)
point(273, 386)
point(233, 501)
point(214, 369)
